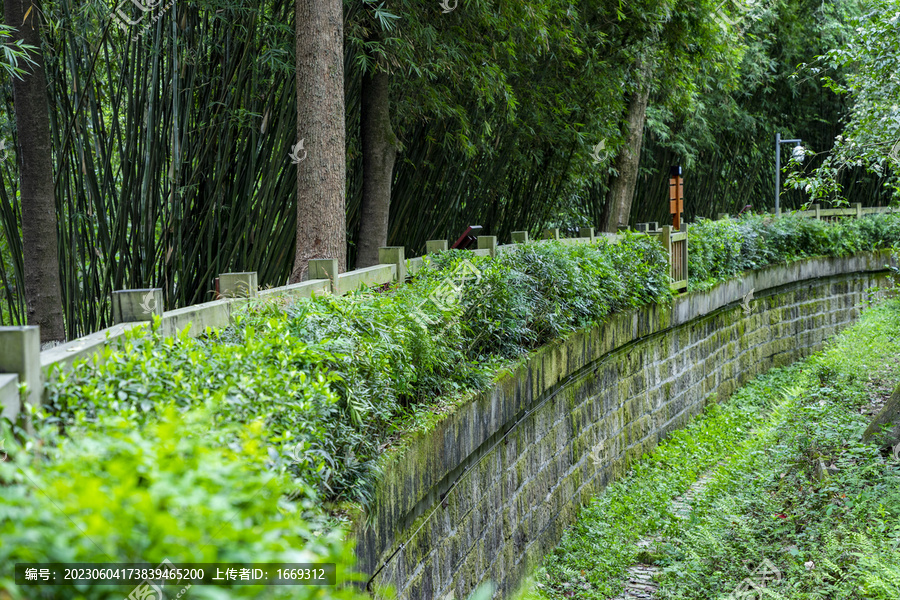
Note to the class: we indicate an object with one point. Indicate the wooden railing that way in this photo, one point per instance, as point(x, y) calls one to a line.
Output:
point(676, 245)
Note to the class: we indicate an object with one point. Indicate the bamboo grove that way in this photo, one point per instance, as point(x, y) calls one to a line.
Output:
point(171, 140)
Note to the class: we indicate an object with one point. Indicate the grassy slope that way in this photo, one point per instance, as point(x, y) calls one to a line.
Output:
point(831, 538)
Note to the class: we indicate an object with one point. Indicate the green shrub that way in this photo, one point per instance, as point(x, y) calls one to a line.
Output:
point(170, 490)
point(332, 377)
point(245, 374)
point(723, 249)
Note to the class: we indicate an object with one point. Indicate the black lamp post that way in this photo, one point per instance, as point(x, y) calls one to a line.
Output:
point(778, 143)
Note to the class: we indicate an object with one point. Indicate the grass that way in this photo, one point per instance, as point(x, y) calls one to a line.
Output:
point(829, 536)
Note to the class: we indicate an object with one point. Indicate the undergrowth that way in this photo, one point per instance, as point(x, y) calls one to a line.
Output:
point(720, 250)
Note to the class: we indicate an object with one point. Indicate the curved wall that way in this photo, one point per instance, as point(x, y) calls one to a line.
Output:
point(488, 491)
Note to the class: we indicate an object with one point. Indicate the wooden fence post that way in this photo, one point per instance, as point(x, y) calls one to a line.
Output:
point(394, 255)
point(130, 306)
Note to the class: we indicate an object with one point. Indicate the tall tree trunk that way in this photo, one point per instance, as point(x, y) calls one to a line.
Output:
point(379, 151)
point(43, 295)
point(621, 188)
point(321, 175)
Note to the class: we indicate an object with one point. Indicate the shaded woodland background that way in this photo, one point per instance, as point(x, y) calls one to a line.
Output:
point(171, 151)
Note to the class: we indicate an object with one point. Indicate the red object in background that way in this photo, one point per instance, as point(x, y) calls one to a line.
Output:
point(467, 238)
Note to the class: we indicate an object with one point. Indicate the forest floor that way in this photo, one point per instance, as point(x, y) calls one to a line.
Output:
point(771, 494)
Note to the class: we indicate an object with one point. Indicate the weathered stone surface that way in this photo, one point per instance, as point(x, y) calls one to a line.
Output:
point(10, 398)
point(495, 483)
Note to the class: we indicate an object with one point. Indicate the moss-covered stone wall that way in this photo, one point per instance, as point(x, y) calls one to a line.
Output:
point(487, 492)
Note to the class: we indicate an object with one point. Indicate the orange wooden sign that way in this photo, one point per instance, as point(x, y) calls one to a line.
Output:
point(676, 197)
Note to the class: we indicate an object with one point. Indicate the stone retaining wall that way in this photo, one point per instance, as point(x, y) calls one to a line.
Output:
point(489, 491)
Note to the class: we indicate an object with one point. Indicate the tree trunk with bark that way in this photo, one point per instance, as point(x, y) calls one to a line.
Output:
point(321, 172)
point(43, 292)
point(379, 151)
point(621, 189)
point(885, 426)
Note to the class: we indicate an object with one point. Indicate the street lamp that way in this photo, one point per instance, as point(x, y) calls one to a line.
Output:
point(797, 154)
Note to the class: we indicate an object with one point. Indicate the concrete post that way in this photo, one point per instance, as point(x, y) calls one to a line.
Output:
point(394, 255)
point(859, 210)
point(586, 232)
point(488, 242)
point(238, 285)
point(323, 268)
point(818, 210)
point(643, 227)
point(551, 234)
point(10, 398)
point(653, 225)
point(20, 353)
point(434, 246)
point(131, 306)
point(520, 237)
point(722, 216)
